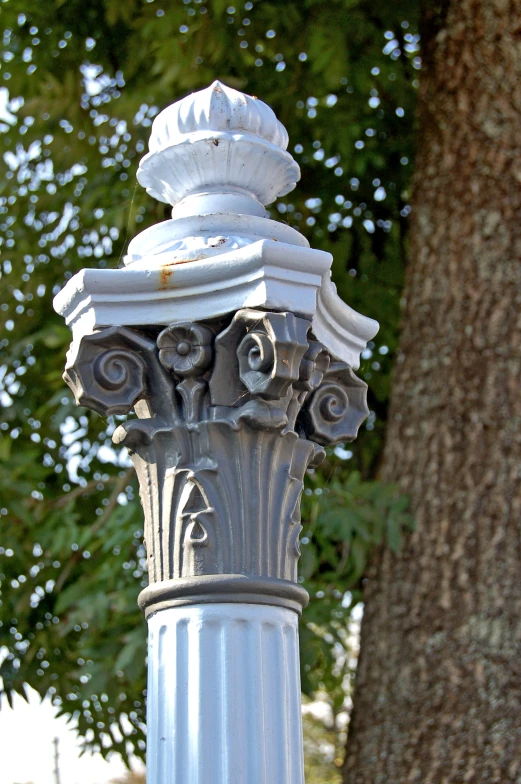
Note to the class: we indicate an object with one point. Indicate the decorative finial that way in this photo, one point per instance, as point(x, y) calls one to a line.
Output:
point(218, 156)
point(218, 141)
point(216, 108)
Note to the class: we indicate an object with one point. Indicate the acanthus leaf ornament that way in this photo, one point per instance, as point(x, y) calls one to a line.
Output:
point(225, 410)
point(240, 398)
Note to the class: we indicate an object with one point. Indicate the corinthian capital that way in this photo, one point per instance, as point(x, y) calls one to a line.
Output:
point(238, 362)
point(230, 415)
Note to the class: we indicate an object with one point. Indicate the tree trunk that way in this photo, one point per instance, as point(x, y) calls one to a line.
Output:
point(438, 694)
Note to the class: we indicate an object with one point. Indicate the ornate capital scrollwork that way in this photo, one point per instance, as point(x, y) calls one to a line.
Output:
point(107, 370)
point(230, 415)
point(186, 349)
point(336, 409)
point(313, 367)
point(268, 348)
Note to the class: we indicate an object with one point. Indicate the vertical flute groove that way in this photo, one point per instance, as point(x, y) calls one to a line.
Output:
point(222, 696)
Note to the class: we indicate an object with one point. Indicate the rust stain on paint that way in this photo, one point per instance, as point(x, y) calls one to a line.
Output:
point(166, 271)
point(164, 276)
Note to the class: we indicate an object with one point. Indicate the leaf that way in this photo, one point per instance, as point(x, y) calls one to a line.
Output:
point(133, 650)
point(394, 533)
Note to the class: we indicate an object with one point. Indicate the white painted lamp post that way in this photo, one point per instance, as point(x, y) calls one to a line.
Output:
point(224, 333)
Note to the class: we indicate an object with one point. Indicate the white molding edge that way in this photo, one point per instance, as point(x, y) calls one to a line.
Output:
point(264, 274)
point(343, 330)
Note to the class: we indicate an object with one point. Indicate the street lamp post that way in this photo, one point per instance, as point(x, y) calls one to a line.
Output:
point(224, 334)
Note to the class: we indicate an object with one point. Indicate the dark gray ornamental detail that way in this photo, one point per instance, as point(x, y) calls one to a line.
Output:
point(230, 414)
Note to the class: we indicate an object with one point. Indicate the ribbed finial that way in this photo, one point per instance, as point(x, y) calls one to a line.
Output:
point(221, 150)
point(216, 108)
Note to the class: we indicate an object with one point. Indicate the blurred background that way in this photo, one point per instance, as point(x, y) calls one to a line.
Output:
point(80, 84)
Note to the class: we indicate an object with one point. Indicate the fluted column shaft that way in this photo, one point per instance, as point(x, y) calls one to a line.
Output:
point(224, 696)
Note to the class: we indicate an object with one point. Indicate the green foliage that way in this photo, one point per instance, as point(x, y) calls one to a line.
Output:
point(344, 519)
point(322, 754)
point(85, 80)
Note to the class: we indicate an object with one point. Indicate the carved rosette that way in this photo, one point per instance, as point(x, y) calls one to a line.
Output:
point(230, 415)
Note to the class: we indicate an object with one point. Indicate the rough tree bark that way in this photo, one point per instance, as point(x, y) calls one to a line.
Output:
point(438, 695)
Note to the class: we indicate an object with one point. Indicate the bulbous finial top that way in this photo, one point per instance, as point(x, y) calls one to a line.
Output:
point(218, 150)
point(216, 108)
